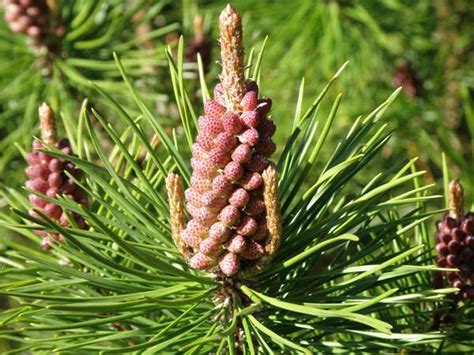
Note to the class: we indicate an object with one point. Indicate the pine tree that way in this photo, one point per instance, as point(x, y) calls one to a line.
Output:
point(349, 270)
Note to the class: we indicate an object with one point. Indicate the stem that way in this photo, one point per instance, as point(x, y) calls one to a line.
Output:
point(232, 56)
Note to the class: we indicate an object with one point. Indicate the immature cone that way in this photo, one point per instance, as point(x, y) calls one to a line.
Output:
point(31, 17)
point(455, 243)
point(47, 175)
point(227, 200)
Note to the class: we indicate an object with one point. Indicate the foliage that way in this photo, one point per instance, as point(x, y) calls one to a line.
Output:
point(346, 271)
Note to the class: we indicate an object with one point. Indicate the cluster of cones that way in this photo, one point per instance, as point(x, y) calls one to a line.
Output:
point(455, 244)
point(51, 176)
point(33, 18)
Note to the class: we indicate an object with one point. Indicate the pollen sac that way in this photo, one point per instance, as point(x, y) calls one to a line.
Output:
point(231, 123)
point(210, 127)
point(250, 118)
point(236, 244)
point(251, 181)
point(205, 216)
point(249, 102)
point(225, 200)
point(226, 141)
point(262, 231)
point(233, 171)
point(213, 200)
point(455, 249)
point(202, 262)
point(266, 128)
point(249, 137)
point(213, 110)
point(199, 153)
point(229, 264)
point(190, 238)
point(211, 247)
point(204, 140)
point(200, 183)
point(222, 185)
point(229, 215)
point(253, 250)
point(194, 197)
point(265, 147)
point(219, 157)
point(204, 168)
point(242, 154)
point(247, 226)
point(197, 229)
point(239, 198)
point(255, 207)
point(258, 163)
point(47, 176)
point(219, 231)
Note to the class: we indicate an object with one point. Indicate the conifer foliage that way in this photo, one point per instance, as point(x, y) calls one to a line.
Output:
point(246, 255)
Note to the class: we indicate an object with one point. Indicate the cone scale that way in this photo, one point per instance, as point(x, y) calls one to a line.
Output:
point(227, 232)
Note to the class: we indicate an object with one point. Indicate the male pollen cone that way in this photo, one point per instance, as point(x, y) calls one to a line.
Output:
point(47, 176)
point(228, 230)
point(455, 243)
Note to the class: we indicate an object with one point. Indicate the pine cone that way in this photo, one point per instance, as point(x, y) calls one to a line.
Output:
point(47, 175)
point(455, 244)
